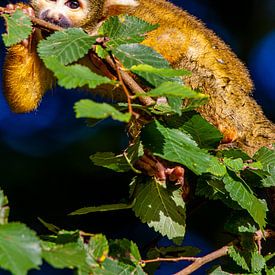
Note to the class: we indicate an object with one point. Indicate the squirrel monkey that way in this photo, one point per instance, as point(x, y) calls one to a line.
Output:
point(182, 39)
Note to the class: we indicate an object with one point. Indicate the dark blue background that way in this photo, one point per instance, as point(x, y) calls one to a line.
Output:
point(45, 166)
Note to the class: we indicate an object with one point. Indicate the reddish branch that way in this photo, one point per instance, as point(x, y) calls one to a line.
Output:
point(130, 82)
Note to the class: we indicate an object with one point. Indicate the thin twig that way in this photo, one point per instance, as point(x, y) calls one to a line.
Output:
point(189, 259)
point(131, 83)
point(128, 96)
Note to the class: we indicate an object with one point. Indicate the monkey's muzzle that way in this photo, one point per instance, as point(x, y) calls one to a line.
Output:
point(56, 19)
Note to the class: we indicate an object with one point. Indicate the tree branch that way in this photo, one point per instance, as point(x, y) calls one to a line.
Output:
point(204, 260)
point(200, 261)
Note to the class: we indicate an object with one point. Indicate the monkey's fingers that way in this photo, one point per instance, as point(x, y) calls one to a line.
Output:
point(25, 8)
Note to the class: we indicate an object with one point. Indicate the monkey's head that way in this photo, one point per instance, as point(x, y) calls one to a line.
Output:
point(78, 13)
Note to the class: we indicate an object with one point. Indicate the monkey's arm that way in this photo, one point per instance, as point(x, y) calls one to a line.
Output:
point(26, 79)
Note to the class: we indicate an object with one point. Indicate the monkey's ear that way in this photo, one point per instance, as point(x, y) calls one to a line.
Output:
point(115, 7)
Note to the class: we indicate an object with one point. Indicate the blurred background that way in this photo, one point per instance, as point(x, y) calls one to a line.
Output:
point(45, 167)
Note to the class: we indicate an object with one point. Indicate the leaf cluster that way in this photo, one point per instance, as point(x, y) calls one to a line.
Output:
point(174, 134)
point(21, 250)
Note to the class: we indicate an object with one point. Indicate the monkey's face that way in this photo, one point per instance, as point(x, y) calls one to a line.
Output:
point(64, 13)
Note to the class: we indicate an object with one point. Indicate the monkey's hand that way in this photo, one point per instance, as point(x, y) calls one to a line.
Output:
point(28, 11)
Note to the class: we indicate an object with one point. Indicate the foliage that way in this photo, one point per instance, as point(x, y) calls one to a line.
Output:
point(173, 135)
point(18, 28)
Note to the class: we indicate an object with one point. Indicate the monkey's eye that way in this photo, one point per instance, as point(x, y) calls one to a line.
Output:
point(73, 4)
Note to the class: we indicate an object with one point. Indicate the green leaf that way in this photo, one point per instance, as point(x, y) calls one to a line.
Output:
point(175, 103)
point(125, 29)
point(98, 248)
point(176, 146)
point(109, 160)
point(4, 208)
point(270, 271)
point(269, 256)
point(173, 89)
point(213, 189)
point(217, 270)
point(74, 76)
point(235, 165)
point(102, 208)
point(87, 108)
point(49, 226)
point(69, 255)
point(101, 52)
point(194, 103)
point(267, 158)
point(113, 267)
point(235, 254)
point(156, 76)
point(19, 248)
point(206, 135)
point(119, 163)
point(125, 251)
point(249, 260)
point(240, 222)
point(63, 237)
point(165, 72)
point(234, 154)
point(160, 208)
point(257, 262)
point(135, 54)
point(245, 198)
point(66, 46)
point(19, 27)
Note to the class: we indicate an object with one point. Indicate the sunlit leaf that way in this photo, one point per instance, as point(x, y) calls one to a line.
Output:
point(135, 54)
point(125, 29)
point(19, 248)
point(156, 76)
point(87, 108)
point(102, 208)
point(119, 163)
point(245, 198)
point(19, 27)
point(125, 251)
point(177, 146)
point(160, 208)
point(74, 76)
point(68, 255)
point(267, 158)
point(66, 46)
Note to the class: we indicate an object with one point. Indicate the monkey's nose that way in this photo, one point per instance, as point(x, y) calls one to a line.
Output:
point(52, 20)
point(56, 18)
